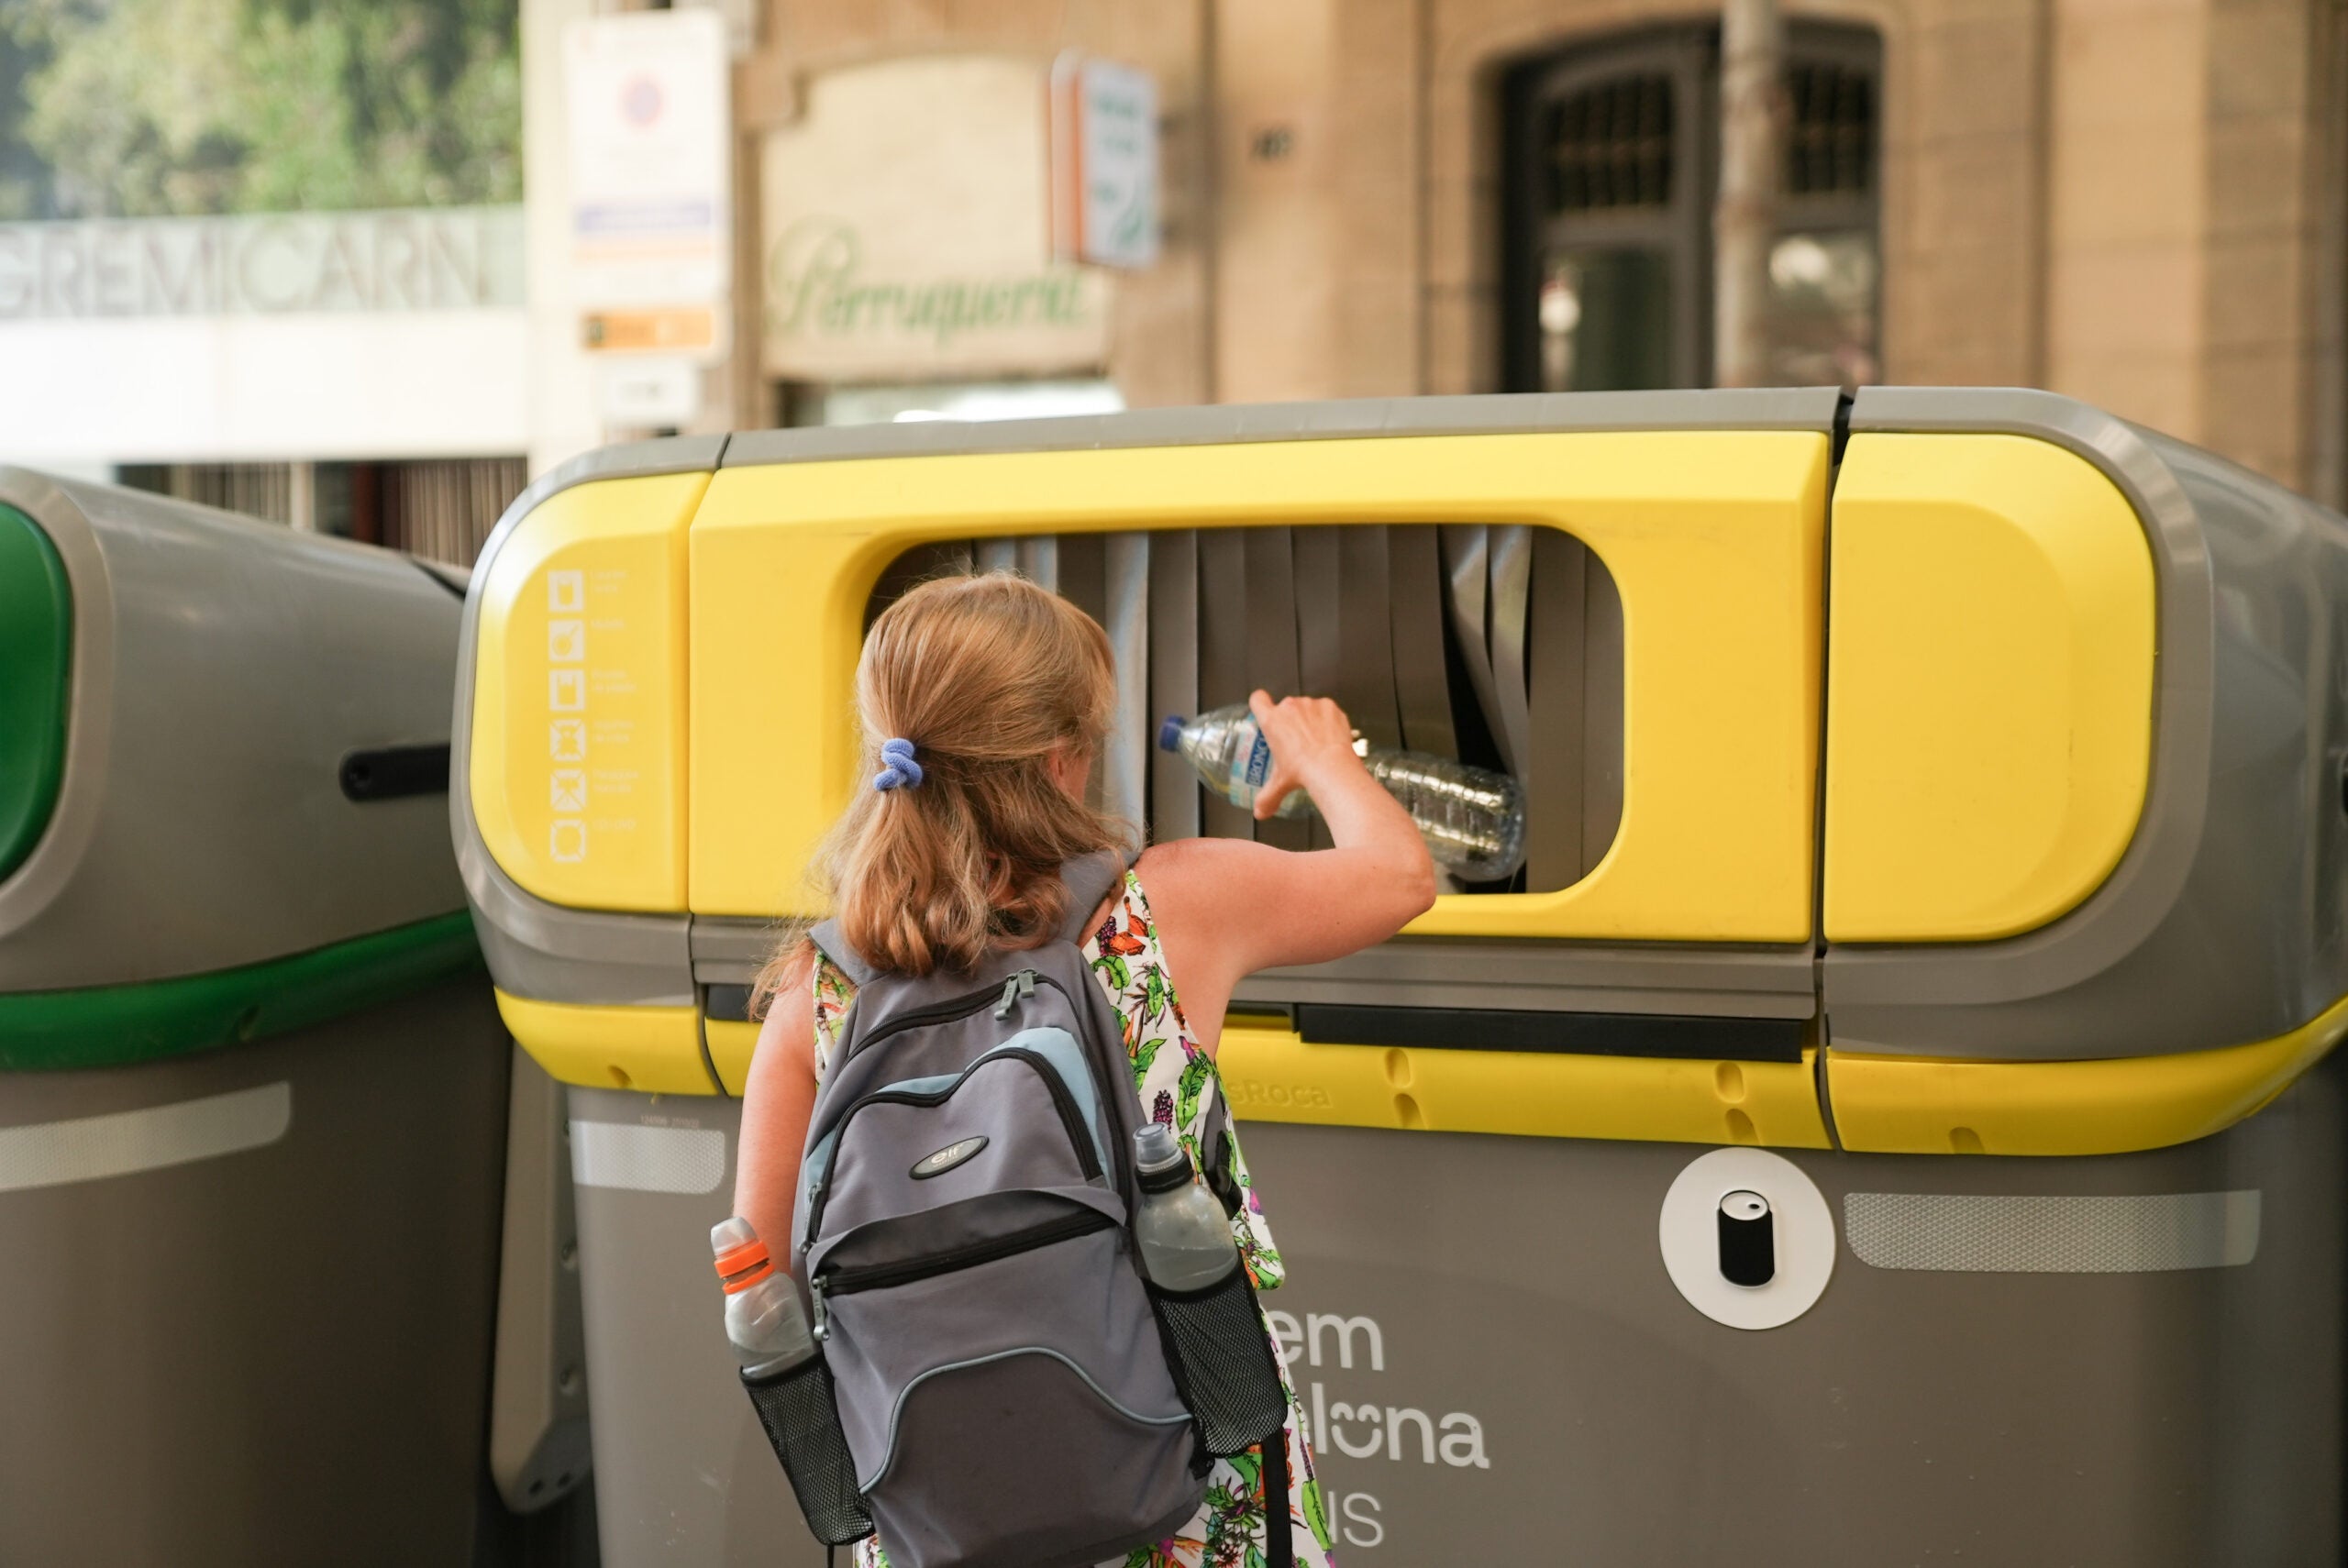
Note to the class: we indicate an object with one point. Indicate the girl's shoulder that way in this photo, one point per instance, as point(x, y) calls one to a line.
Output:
point(1186, 868)
point(1203, 883)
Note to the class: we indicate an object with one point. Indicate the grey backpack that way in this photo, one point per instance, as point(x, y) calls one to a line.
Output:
point(1009, 1393)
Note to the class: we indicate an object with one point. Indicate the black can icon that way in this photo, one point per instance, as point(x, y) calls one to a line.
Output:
point(1748, 1240)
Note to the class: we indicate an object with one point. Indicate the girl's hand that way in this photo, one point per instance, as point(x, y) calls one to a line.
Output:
point(1308, 736)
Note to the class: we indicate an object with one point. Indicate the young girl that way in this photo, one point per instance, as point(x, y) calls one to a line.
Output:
point(1004, 692)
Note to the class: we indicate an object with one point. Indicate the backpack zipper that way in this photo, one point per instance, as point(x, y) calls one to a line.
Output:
point(881, 1276)
point(1004, 997)
point(1071, 1116)
point(1021, 985)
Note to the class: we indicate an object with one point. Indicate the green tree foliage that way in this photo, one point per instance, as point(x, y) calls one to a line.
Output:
point(146, 107)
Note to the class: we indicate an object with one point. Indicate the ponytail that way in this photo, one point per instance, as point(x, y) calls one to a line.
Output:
point(971, 691)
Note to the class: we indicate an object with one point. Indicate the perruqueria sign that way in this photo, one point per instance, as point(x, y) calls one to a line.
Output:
point(435, 258)
point(819, 288)
point(894, 253)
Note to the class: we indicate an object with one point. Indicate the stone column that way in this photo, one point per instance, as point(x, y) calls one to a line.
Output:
point(1745, 215)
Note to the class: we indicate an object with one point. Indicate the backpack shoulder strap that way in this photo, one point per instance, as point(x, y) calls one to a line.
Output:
point(1089, 879)
point(845, 958)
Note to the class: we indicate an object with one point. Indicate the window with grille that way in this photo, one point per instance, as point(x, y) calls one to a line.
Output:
point(1830, 141)
point(1609, 146)
point(1612, 155)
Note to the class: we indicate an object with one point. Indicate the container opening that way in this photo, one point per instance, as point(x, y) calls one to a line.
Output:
point(1497, 644)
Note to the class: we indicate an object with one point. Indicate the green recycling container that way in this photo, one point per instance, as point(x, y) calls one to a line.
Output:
point(253, 1087)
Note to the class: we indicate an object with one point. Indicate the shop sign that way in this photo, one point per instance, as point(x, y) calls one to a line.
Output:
point(906, 230)
point(428, 259)
point(651, 179)
point(1104, 164)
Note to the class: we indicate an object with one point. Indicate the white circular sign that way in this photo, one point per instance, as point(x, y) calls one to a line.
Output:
point(1710, 1240)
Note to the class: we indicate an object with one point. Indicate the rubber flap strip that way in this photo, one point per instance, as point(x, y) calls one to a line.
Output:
point(1556, 1033)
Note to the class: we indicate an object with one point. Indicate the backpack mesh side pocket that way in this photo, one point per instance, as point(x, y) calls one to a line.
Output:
point(1222, 1355)
point(797, 1409)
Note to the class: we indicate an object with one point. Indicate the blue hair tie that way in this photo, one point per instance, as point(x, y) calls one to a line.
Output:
point(899, 770)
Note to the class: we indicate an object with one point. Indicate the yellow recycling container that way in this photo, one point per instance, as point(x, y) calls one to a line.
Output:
point(1938, 774)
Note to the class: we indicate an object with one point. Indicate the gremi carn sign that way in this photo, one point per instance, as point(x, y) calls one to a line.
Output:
point(415, 259)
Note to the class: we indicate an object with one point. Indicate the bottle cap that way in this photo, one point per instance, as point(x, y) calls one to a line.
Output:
point(742, 1259)
point(1169, 733)
point(1156, 1145)
point(1158, 1159)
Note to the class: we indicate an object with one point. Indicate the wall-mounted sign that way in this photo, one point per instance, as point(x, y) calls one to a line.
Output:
point(265, 337)
point(1104, 162)
point(906, 230)
point(647, 391)
point(651, 179)
point(427, 258)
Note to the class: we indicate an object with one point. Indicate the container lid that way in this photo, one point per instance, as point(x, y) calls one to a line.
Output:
point(36, 668)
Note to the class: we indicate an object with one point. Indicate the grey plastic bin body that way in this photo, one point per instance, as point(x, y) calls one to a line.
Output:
point(2112, 1418)
point(253, 1086)
point(2123, 1359)
point(2129, 1404)
point(684, 1474)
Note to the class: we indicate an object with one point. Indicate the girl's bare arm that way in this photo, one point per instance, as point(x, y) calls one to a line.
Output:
point(776, 1104)
point(1226, 908)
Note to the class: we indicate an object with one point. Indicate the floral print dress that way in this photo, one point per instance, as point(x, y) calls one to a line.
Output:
point(1179, 1086)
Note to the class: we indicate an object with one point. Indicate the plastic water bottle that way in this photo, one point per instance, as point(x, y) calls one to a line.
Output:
point(763, 1318)
point(1185, 1236)
point(1472, 819)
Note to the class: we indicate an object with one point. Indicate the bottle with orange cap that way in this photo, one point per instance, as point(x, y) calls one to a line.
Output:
point(762, 1313)
point(789, 1384)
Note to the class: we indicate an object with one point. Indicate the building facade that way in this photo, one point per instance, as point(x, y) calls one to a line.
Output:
point(2139, 202)
point(2135, 202)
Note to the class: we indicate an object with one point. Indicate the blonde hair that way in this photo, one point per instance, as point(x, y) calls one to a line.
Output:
point(989, 677)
